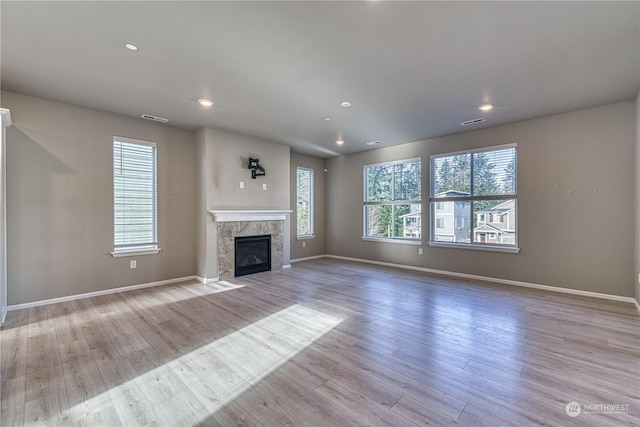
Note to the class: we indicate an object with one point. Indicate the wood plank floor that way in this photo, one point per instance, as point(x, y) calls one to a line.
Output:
point(326, 343)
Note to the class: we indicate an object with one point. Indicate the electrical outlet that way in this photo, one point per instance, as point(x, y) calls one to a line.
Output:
point(241, 184)
point(132, 264)
point(419, 251)
point(304, 244)
point(264, 186)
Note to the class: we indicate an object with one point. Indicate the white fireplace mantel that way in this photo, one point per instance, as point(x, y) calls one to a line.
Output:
point(249, 215)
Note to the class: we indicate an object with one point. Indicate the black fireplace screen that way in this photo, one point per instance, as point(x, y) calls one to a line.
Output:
point(252, 254)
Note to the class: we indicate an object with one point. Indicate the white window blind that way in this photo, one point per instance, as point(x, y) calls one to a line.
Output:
point(478, 190)
point(135, 196)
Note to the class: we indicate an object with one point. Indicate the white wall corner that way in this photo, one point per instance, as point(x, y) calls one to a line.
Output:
point(6, 117)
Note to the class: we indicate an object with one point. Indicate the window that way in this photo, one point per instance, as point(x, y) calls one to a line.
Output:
point(134, 197)
point(304, 206)
point(439, 222)
point(392, 200)
point(480, 186)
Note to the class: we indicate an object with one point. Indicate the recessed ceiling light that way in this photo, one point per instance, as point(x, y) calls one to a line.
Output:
point(131, 46)
point(345, 104)
point(327, 119)
point(486, 107)
point(340, 141)
point(205, 102)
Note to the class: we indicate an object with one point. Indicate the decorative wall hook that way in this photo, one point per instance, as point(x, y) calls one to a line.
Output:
point(256, 169)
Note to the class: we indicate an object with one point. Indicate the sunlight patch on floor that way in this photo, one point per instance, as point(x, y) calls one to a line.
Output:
point(223, 286)
point(192, 387)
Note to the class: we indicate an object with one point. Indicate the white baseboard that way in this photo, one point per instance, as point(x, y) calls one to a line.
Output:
point(493, 279)
point(98, 293)
point(635, 301)
point(3, 315)
point(308, 258)
point(284, 267)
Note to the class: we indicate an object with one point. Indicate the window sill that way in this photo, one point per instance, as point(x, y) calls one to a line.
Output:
point(306, 237)
point(135, 252)
point(398, 240)
point(488, 248)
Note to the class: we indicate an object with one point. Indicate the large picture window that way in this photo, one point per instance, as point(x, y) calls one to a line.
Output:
point(135, 197)
point(304, 205)
point(474, 198)
point(392, 200)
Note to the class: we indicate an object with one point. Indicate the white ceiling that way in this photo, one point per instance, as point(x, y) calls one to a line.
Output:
point(275, 70)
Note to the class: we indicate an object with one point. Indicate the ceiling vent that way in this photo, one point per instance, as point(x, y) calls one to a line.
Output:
point(473, 121)
point(154, 118)
point(374, 142)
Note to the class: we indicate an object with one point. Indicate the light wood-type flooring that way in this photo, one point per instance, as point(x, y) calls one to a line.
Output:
point(325, 343)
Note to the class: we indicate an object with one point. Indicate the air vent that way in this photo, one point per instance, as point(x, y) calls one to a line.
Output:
point(374, 142)
point(473, 121)
point(154, 118)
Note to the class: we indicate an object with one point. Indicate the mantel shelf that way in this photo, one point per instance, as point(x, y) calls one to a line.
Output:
point(249, 215)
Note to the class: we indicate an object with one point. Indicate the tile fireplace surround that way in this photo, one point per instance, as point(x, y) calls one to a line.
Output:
point(236, 223)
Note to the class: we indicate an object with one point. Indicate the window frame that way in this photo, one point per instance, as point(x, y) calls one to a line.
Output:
point(151, 247)
point(311, 220)
point(366, 203)
point(495, 247)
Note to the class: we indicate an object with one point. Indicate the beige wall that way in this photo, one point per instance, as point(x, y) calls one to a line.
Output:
point(316, 246)
point(577, 234)
point(60, 200)
point(636, 276)
point(223, 165)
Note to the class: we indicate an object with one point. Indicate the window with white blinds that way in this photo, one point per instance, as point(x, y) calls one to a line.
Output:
point(135, 200)
point(474, 198)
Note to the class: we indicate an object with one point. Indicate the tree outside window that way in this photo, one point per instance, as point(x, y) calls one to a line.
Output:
point(392, 200)
point(304, 204)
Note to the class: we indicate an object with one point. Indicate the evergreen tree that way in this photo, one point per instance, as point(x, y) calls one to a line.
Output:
point(509, 179)
point(444, 177)
point(484, 176)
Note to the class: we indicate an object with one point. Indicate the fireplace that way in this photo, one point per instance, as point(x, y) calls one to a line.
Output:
point(252, 254)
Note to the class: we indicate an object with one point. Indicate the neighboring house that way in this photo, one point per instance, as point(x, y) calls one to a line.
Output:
point(452, 219)
point(496, 224)
point(412, 223)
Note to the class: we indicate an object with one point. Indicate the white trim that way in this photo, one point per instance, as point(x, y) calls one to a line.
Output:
point(98, 293)
point(4, 315)
point(249, 215)
point(395, 162)
point(134, 252)
point(306, 237)
point(396, 240)
point(635, 301)
point(492, 279)
point(6, 117)
point(134, 141)
point(286, 266)
point(308, 258)
point(488, 248)
point(476, 150)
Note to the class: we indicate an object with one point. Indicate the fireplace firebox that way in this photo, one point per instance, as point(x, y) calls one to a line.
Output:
point(252, 254)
